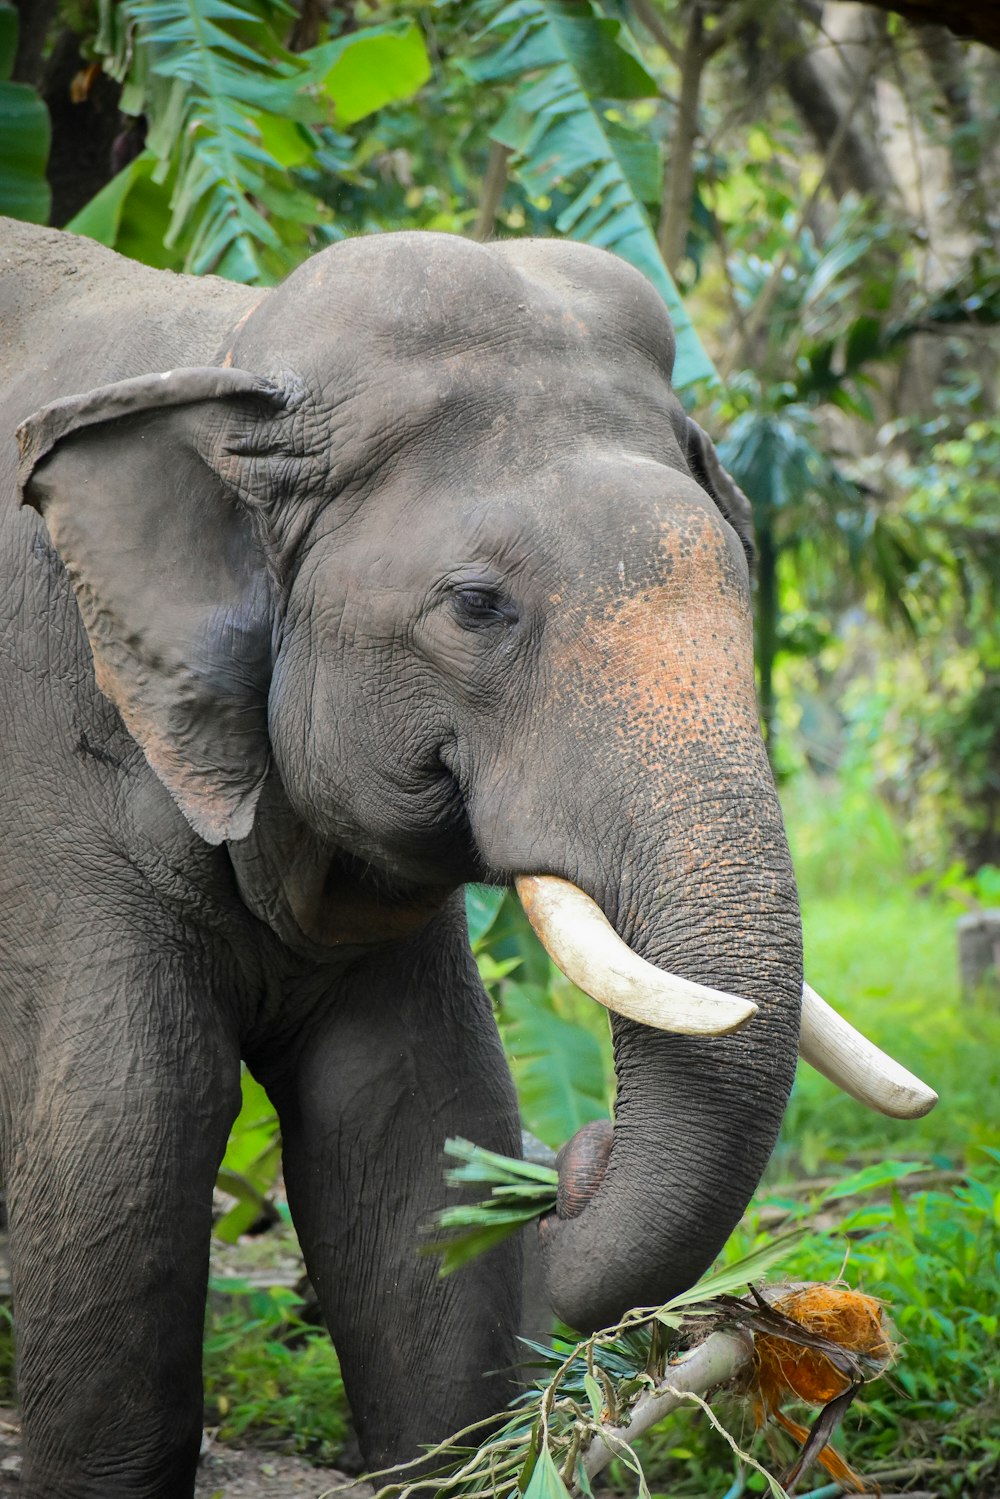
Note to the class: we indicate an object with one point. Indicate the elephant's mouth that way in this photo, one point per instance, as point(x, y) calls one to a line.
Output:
point(581, 941)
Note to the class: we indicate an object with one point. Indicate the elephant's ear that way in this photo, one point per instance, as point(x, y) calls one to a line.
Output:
point(703, 461)
point(170, 580)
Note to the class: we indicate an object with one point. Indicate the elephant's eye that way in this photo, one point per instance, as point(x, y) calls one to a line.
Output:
point(479, 605)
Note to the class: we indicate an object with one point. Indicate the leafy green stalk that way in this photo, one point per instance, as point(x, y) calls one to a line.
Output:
point(234, 119)
point(518, 1192)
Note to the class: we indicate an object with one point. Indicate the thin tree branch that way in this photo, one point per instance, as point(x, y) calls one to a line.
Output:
point(815, 82)
point(700, 46)
point(679, 175)
point(494, 185)
point(651, 20)
point(719, 236)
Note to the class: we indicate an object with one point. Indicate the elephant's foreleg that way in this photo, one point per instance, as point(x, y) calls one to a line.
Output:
point(116, 1126)
point(402, 1056)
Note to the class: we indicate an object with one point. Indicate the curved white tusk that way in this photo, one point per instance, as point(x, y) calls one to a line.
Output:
point(849, 1059)
point(580, 939)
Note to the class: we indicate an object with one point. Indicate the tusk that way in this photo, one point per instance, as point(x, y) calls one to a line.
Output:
point(849, 1059)
point(580, 940)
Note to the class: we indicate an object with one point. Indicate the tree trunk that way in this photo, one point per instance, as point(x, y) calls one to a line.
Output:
point(34, 19)
point(947, 63)
point(494, 187)
point(972, 20)
point(811, 78)
point(979, 953)
point(678, 190)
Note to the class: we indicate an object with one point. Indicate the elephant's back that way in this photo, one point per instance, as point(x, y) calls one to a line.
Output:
point(74, 316)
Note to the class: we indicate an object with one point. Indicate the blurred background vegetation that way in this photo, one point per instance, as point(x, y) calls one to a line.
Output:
point(815, 188)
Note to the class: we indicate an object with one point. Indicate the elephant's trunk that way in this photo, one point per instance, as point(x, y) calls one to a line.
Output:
point(689, 863)
point(696, 1117)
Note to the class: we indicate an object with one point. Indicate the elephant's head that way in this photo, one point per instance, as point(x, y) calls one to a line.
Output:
point(433, 564)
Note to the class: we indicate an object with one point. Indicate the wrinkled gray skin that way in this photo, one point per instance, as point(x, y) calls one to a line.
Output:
point(448, 592)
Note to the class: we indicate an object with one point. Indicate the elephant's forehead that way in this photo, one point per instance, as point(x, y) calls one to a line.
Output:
point(577, 536)
point(463, 415)
point(417, 293)
point(404, 334)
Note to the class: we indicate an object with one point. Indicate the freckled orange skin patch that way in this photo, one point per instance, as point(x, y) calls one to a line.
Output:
point(664, 667)
point(671, 661)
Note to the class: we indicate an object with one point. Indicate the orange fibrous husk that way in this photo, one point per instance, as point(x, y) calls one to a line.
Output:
point(787, 1370)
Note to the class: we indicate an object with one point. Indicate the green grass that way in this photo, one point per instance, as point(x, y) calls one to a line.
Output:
point(271, 1378)
point(933, 1258)
point(885, 956)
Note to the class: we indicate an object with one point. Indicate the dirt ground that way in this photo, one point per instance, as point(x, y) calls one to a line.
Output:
point(225, 1472)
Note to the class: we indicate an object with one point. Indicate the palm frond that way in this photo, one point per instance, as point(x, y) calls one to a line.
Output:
point(233, 115)
point(208, 92)
point(24, 135)
point(569, 65)
point(518, 1192)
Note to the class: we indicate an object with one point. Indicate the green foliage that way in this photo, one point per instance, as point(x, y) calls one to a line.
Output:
point(560, 1068)
point(252, 1162)
point(24, 135)
point(236, 124)
point(570, 66)
point(482, 907)
point(933, 1257)
point(557, 1040)
point(928, 724)
point(951, 498)
point(367, 69)
point(518, 1191)
point(131, 214)
point(270, 1376)
point(884, 954)
point(819, 532)
point(225, 114)
point(6, 1353)
point(978, 892)
point(923, 728)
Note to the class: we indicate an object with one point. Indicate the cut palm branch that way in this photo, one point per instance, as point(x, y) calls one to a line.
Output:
point(518, 1191)
point(596, 1396)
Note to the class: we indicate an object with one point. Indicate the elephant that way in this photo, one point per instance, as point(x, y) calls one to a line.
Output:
point(320, 603)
